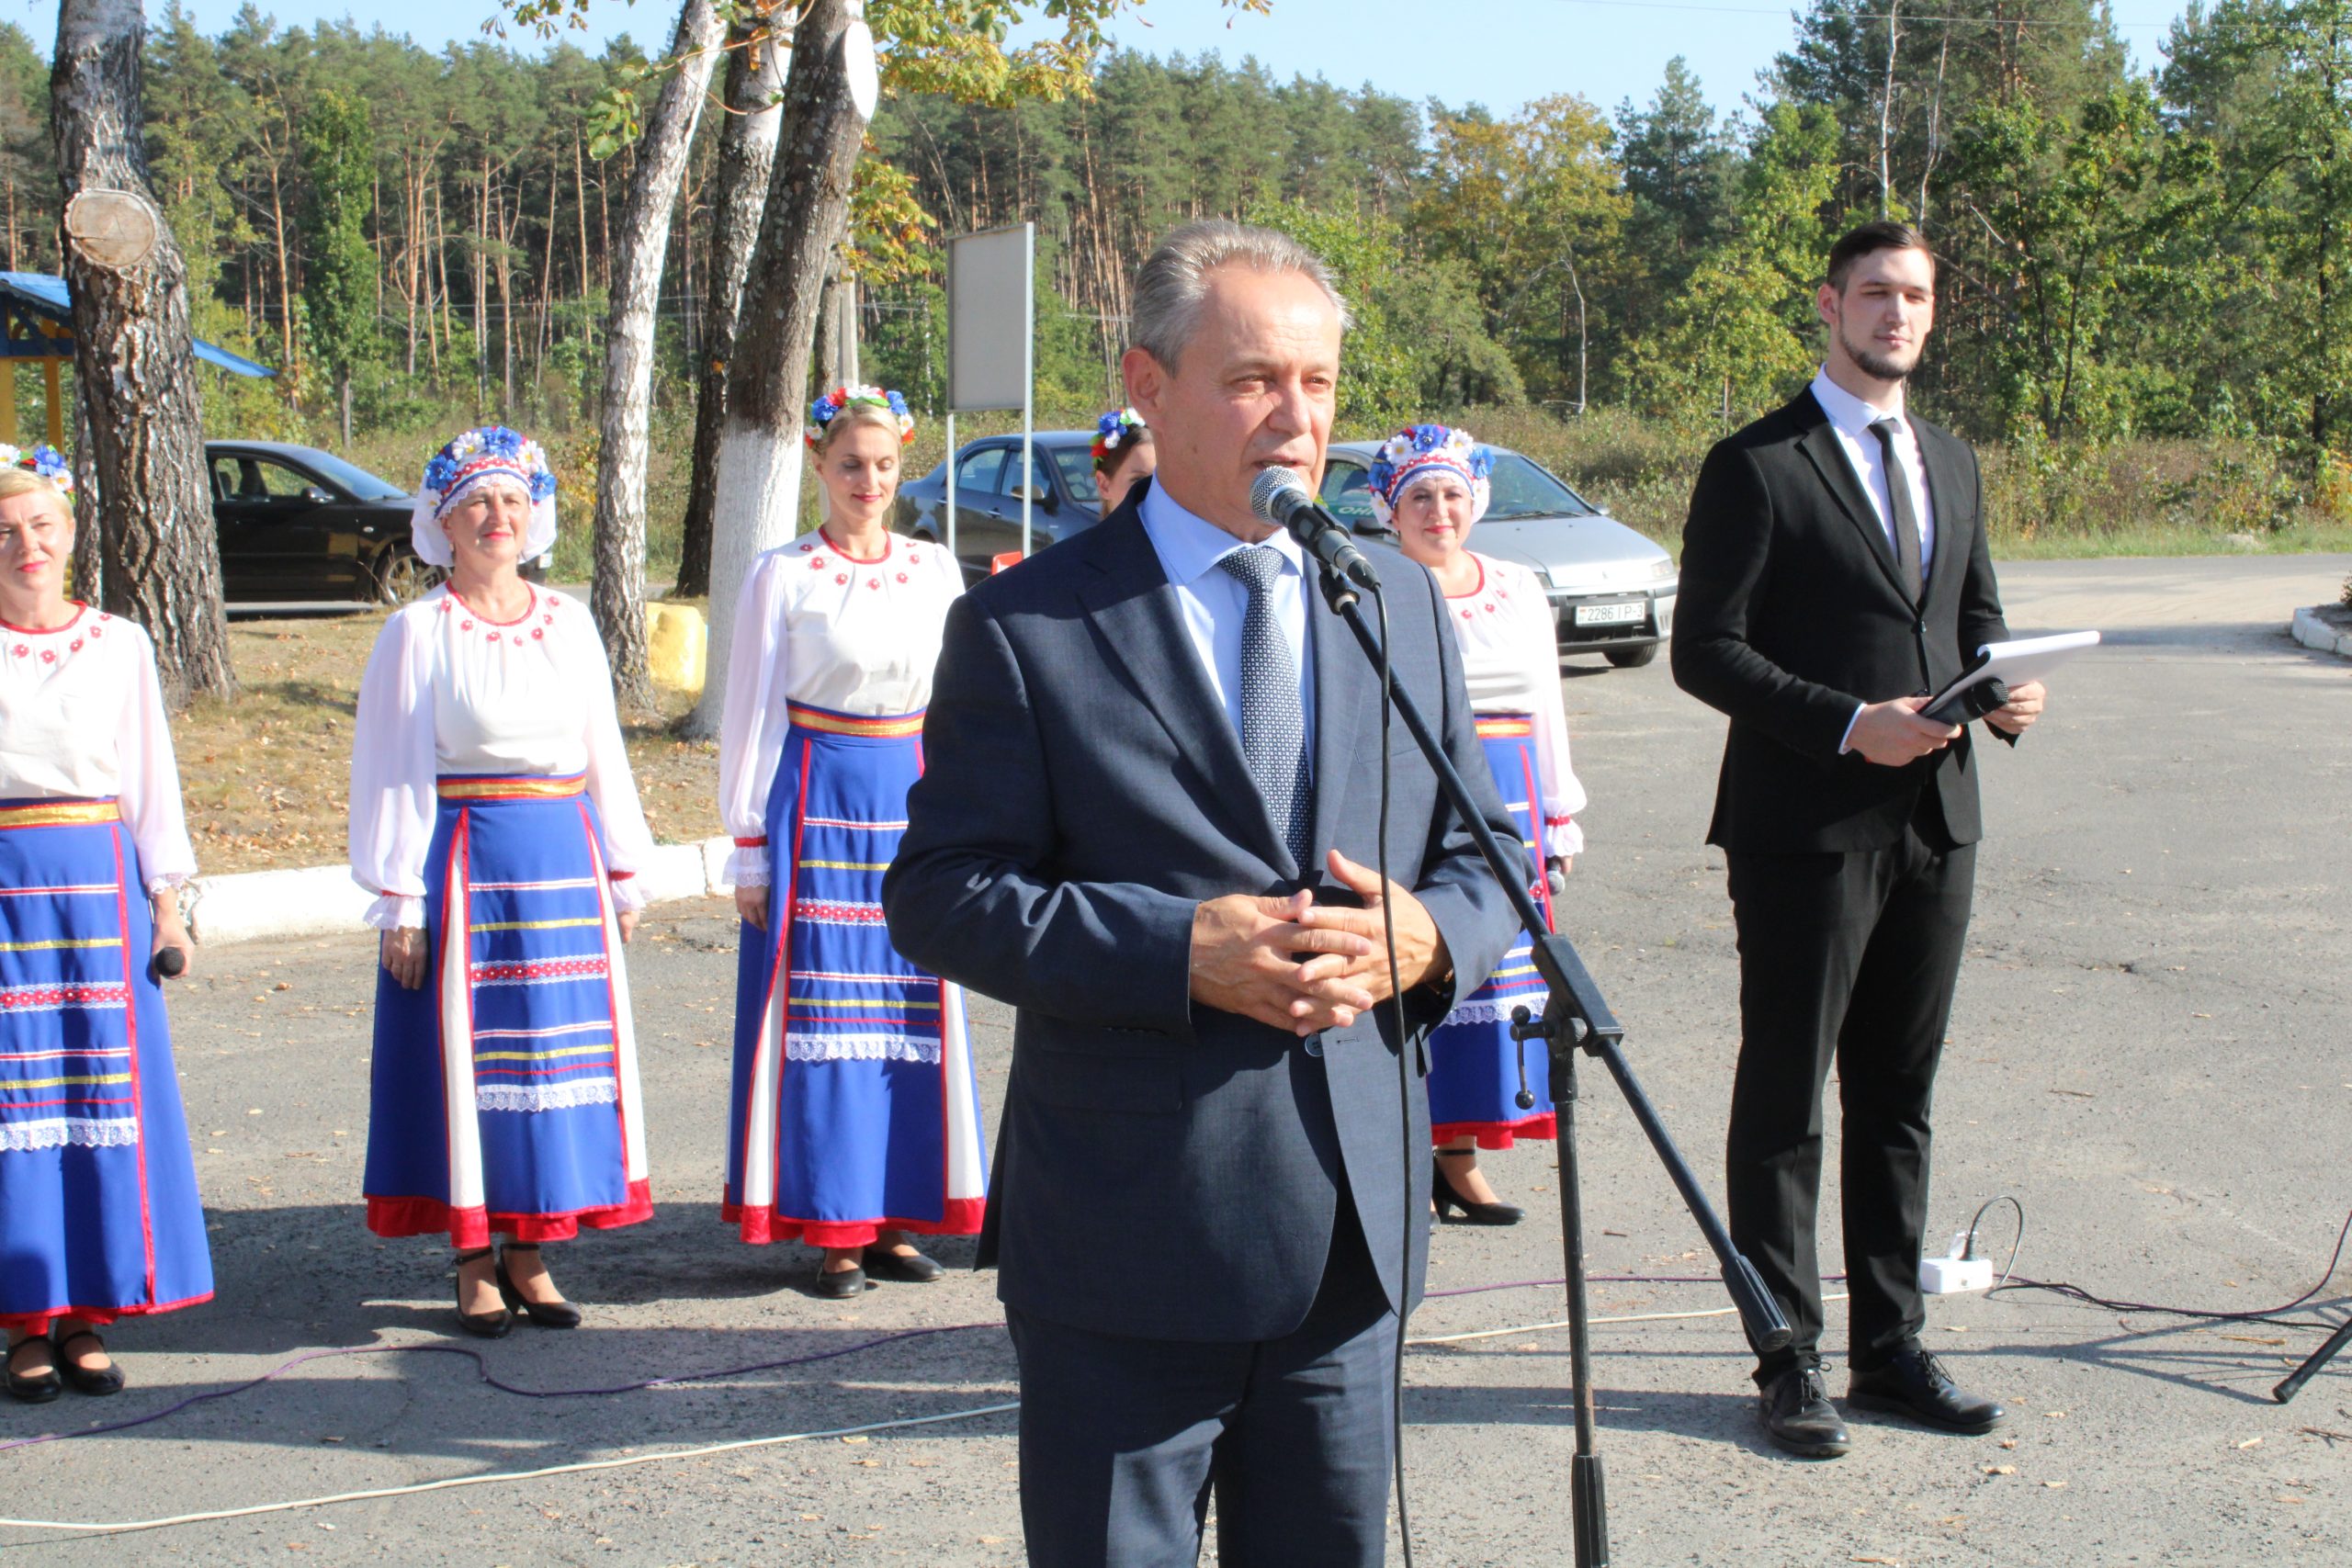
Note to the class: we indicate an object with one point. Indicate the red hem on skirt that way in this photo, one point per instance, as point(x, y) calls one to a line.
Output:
point(1496, 1135)
point(101, 1315)
point(762, 1226)
point(470, 1228)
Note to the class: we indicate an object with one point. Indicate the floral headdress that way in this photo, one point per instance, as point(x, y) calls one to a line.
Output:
point(492, 452)
point(43, 459)
point(1418, 450)
point(823, 412)
point(1114, 432)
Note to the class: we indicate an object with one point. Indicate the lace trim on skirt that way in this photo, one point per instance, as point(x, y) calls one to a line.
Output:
point(547, 1097)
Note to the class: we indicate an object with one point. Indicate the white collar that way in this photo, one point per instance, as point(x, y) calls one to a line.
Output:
point(1189, 546)
point(1849, 413)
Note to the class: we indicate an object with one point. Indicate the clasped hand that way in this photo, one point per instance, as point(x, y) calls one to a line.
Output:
point(1303, 966)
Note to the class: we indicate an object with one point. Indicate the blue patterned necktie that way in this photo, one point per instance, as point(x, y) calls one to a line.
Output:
point(1274, 729)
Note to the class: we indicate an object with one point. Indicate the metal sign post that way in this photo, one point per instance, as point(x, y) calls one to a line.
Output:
point(992, 295)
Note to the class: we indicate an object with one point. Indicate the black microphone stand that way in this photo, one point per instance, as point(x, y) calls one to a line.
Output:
point(1576, 1017)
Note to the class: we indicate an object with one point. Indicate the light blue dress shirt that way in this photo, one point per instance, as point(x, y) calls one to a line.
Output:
point(1215, 603)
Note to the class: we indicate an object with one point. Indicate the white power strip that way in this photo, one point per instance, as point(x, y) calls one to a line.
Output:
point(1951, 1276)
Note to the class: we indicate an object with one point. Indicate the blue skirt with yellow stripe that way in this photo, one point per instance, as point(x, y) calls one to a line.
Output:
point(1475, 1065)
point(98, 1212)
point(853, 1109)
point(504, 1088)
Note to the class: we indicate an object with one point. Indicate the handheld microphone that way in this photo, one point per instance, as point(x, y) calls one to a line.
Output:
point(1279, 496)
point(169, 961)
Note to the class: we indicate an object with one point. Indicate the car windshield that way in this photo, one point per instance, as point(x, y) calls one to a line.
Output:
point(1076, 466)
point(361, 484)
point(1521, 490)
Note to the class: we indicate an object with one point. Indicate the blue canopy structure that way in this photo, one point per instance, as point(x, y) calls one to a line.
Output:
point(37, 324)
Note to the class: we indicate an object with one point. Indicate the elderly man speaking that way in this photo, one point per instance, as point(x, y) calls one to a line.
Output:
point(1147, 821)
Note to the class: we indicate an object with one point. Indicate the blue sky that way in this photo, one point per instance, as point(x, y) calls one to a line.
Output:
point(1499, 53)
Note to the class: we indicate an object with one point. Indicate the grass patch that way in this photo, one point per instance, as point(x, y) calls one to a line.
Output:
point(267, 776)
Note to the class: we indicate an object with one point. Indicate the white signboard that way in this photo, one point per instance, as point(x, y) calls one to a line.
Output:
point(988, 304)
point(991, 308)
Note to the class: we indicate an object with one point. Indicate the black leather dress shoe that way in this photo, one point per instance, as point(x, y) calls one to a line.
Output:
point(105, 1380)
point(1447, 1199)
point(1915, 1384)
point(1799, 1418)
point(39, 1388)
point(840, 1284)
point(903, 1268)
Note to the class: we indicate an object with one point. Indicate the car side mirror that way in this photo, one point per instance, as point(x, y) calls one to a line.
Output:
point(316, 496)
point(1042, 495)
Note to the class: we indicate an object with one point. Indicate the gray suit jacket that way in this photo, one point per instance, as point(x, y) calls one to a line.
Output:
point(1166, 1170)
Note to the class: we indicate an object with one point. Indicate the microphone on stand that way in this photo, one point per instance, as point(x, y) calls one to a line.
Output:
point(1279, 496)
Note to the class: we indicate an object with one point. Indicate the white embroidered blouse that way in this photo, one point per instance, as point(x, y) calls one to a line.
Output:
point(81, 717)
point(829, 630)
point(1510, 661)
point(448, 691)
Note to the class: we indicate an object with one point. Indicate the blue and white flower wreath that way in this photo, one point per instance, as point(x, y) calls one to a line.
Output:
point(1113, 431)
point(43, 459)
point(1419, 450)
point(823, 412)
point(474, 459)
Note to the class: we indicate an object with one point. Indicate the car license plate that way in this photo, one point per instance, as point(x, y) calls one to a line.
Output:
point(1611, 615)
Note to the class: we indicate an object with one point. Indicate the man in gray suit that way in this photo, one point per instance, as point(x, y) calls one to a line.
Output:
point(1148, 811)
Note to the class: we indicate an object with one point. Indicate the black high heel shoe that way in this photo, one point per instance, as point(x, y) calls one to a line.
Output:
point(1442, 1194)
point(546, 1315)
point(107, 1379)
point(481, 1325)
point(33, 1390)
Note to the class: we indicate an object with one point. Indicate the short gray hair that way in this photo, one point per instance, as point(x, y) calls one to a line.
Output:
point(1175, 279)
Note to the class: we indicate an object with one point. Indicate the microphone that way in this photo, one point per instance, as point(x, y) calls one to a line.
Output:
point(1279, 496)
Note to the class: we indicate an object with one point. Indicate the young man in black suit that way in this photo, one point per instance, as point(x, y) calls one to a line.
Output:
point(1834, 572)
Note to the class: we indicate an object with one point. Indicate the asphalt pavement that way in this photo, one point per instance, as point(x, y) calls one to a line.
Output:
point(2148, 1055)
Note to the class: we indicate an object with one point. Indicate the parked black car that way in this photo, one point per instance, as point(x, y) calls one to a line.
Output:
point(298, 524)
point(987, 496)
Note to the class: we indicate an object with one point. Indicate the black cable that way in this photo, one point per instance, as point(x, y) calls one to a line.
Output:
point(2274, 1315)
point(1404, 1093)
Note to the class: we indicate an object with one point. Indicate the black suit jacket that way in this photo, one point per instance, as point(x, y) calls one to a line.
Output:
point(1165, 1170)
point(1791, 613)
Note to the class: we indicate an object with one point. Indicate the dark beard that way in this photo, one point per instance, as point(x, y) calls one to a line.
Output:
point(1877, 366)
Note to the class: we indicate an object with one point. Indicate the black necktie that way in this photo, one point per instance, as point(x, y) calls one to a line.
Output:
point(1274, 727)
point(1906, 517)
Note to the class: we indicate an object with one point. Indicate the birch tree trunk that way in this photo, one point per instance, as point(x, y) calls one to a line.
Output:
point(746, 160)
point(160, 555)
point(807, 212)
point(618, 595)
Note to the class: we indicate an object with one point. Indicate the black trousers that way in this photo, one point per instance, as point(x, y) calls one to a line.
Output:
point(1122, 1441)
point(1848, 958)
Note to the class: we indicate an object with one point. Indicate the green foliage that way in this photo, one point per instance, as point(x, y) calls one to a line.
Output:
point(1742, 335)
point(337, 150)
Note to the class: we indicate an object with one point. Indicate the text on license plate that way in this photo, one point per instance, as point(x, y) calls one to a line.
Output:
point(1611, 615)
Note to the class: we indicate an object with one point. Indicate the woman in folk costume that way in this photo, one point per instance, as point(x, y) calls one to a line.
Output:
point(98, 1212)
point(1124, 457)
point(1429, 483)
point(493, 814)
point(854, 1120)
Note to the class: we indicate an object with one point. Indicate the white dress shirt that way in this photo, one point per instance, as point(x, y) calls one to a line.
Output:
point(1850, 418)
point(1216, 604)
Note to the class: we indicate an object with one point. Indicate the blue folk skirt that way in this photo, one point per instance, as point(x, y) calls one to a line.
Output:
point(504, 1088)
point(1475, 1065)
point(853, 1109)
point(98, 1212)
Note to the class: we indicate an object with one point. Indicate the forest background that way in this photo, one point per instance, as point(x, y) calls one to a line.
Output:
point(2145, 313)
